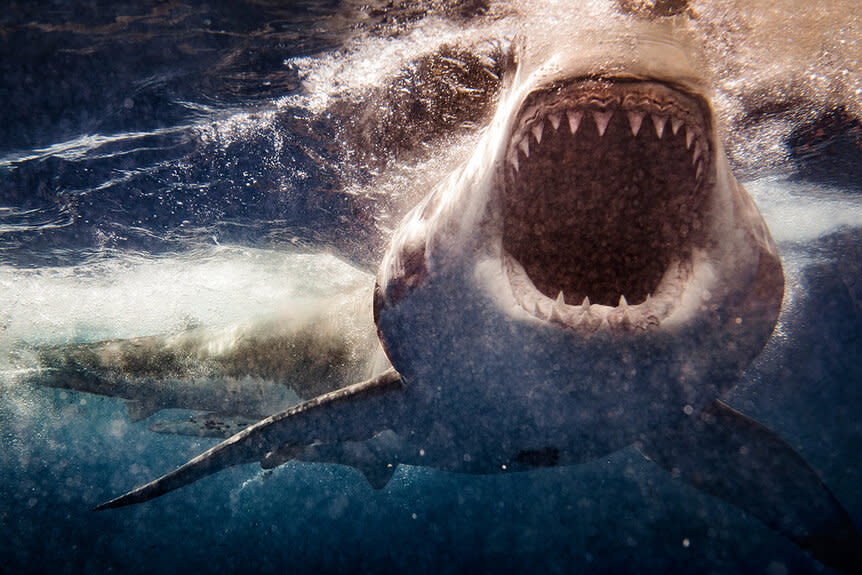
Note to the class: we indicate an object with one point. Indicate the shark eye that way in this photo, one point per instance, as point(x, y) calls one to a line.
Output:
point(604, 191)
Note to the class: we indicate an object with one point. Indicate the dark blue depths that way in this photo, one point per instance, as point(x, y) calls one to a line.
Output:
point(160, 187)
point(103, 122)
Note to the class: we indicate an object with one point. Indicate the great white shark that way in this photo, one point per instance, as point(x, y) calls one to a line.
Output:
point(593, 277)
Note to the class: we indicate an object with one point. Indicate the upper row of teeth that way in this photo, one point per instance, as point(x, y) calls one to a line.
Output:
point(573, 118)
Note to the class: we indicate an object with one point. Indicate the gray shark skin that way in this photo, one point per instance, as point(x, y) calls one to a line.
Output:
point(238, 372)
point(592, 278)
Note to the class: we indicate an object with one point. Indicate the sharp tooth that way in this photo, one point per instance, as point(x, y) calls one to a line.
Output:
point(675, 124)
point(699, 171)
point(524, 144)
point(635, 119)
point(537, 131)
point(513, 159)
point(555, 120)
point(586, 303)
point(696, 153)
point(623, 303)
point(574, 120)
point(659, 122)
point(558, 311)
point(602, 119)
point(626, 319)
point(689, 136)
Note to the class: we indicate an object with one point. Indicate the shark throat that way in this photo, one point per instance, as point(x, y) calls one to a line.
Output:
point(605, 190)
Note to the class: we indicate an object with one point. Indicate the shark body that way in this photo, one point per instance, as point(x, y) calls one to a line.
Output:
point(592, 278)
point(237, 373)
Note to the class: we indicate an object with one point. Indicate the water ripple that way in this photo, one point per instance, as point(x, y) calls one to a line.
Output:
point(23, 220)
point(88, 146)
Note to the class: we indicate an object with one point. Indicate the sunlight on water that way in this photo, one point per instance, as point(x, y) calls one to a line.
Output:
point(368, 61)
point(799, 212)
point(90, 146)
point(128, 296)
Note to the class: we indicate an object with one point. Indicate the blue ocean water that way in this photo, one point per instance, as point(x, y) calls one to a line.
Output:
point(164, 165)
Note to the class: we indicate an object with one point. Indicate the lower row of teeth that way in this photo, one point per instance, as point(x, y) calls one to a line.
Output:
point(586, 315)
point(594, 317)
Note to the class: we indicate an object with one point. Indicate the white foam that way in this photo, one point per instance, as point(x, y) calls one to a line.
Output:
point(367, 61)
point(129, 296)
point(798, 212)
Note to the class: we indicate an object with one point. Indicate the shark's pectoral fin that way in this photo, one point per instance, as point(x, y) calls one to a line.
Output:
point(731, 456)
point(353, 413)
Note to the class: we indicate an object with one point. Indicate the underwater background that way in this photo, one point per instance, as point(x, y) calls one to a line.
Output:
point(168, 165)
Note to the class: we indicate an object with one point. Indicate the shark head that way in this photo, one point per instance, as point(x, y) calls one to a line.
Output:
point(595, 251)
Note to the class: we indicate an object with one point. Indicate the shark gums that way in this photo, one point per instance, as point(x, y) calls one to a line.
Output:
point(592, 278)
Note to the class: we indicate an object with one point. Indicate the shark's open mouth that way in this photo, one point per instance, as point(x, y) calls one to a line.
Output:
point(604, 198)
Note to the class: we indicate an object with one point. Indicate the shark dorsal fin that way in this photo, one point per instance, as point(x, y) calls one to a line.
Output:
point(378, 474)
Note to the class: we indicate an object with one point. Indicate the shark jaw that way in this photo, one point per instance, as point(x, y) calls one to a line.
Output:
point(605, 191)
